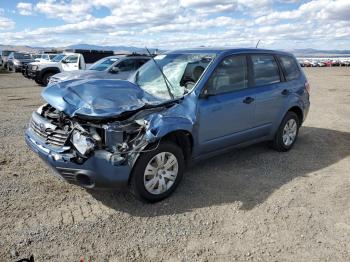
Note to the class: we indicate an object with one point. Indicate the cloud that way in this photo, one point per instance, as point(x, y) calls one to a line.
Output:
point(6, 24)
point(25, 8)
point(74, 11)
point(173, 23)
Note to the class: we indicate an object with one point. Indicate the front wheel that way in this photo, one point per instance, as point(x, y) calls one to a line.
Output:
point(46, 78)
point(287, 132)
point(157, 173)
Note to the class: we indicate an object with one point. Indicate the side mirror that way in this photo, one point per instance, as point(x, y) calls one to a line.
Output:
point(207, 92)
point(115, 70)
point(64, 61)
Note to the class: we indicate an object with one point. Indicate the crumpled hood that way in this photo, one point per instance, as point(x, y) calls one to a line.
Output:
point(97, 98)
point(81, 74)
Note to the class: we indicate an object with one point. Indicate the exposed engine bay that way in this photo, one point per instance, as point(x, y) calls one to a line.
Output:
point(123, 138)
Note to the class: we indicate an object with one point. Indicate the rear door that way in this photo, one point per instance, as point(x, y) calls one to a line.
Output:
point(269, 86)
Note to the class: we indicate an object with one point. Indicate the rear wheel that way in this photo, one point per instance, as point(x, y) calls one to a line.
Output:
point(287, 132)
point(157, 173)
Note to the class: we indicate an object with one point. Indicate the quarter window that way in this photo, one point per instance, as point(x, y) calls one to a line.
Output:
point(230, 75)
point(291, 68)
point(265, 70)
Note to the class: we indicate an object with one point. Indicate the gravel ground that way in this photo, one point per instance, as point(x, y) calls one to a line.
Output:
point(252, 204)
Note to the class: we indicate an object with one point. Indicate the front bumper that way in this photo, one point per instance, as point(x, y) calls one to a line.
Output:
point(96, 172)
point(32, 74)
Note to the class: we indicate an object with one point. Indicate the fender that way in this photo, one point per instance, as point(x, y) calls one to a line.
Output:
point(48, 69)
point(293, 101)
point(160, 126)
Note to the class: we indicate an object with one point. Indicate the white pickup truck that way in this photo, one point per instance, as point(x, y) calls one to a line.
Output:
point(68, 61)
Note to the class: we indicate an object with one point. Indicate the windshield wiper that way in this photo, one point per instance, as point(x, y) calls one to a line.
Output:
point(166, 80)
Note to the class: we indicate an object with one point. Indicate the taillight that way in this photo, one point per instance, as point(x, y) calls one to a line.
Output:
point(307, 87)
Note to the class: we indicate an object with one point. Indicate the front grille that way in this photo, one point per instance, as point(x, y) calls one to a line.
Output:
point(68, 174)
point(52, 135)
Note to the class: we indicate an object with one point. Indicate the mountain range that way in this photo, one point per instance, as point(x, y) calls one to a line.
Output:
point(129, 49)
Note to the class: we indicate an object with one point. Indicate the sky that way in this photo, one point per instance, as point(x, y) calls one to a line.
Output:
point(170, 24)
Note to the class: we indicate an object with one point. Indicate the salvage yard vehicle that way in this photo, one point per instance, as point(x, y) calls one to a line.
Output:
point(4, 55)
point(72, 60)
point(112, 67)
point(29, 69)
point(17, 60)
point(179, 108)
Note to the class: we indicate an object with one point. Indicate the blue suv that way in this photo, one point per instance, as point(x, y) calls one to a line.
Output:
point(180, 107)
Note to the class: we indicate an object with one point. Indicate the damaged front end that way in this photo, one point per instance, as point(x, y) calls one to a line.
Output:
point(90, 152)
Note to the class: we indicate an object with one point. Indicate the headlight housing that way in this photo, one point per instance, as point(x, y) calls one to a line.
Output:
point(16, 62)
point(40, 109)
point(83, 143)
point(35, 67)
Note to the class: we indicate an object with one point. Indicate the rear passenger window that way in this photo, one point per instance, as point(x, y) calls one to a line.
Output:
point(230, 75)
point(127, 65)
point(290, 66)
point(265, 70)
point(141, 62)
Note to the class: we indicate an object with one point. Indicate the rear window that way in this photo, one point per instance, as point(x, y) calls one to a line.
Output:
point(265, 70)
point(290, 66)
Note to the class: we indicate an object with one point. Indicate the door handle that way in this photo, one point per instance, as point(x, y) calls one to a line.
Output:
point(285, 92)
point(248, 100)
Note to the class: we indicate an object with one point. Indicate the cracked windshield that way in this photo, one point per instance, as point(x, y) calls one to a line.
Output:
point(181, 73)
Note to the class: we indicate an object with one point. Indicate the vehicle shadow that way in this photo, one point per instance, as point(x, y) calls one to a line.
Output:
point(247, 176)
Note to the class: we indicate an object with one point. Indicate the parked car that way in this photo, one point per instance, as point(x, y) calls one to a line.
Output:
point(17, 60)
point(183, 106)
point(112, 67)
point(30, 71)
point(345, 63)
point(77, 60)
point(4, 55)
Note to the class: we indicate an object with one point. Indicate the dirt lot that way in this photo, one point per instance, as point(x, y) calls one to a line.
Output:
point(253, 204)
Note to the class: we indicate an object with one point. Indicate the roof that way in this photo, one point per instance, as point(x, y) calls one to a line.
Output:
point(221, 50)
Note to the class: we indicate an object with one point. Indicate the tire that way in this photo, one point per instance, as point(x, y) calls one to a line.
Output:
point(285, 139)
point(46, 78)
point(139, 179)
point(38, 82)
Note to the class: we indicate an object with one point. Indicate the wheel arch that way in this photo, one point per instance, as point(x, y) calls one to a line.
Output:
point(298, 111)
point(48, 70)
point(184, 140)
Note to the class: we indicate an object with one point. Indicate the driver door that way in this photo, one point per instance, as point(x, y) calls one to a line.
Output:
point(225, 112)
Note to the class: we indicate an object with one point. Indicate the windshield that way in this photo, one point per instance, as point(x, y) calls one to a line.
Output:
point(182, 70)
point(6, 53)
point(103, 64)
point(58, 58)
point(22, 56)
point(36, 56)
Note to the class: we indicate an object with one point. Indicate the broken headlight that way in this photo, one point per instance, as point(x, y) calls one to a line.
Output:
point(83, 143)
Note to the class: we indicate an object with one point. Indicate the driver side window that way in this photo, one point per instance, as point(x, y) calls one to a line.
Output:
point(71, 59)
point(230, 75)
